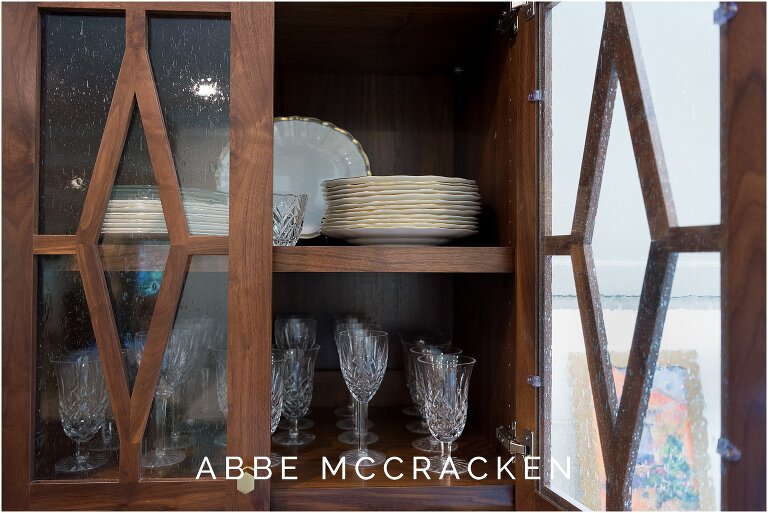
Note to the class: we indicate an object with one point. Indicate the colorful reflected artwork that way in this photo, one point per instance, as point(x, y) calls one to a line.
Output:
point(672, 470)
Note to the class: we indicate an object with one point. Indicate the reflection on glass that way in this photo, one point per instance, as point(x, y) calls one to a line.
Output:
point(134, 274)
point(80, 61)
point(186, 420)
point(190, 60)
point(573, 431)
point(65, 335)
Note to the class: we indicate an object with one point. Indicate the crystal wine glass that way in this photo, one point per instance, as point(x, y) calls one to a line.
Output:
point(351, 433)
point(339, 325)
point(178, 352)
point(409, 340)
point(299, 376)
point(295, 332)
point(447, 384)
point(363, 356)
point(418, 396)
point(82, 405)
point(277, 392)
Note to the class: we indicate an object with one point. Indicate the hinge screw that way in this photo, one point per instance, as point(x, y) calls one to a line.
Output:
point(535, 95)
point(534, 381)
point(727, 450)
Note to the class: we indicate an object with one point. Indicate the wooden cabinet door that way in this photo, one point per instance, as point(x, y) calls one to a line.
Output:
point(137, 178)
point(643, 333)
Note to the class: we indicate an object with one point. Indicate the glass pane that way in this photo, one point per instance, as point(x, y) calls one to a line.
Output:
point(574, 59)
point(81, 57)
point(68, 410)
point(681, 51)
point(188, 417)
point(678, 467)
point(573, 430)
point(134, 274)
point(190, 59)
point(622, 238)
point(134, 211)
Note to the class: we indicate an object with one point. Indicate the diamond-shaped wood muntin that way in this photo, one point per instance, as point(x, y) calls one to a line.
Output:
point(620, 423)
point(135, 83)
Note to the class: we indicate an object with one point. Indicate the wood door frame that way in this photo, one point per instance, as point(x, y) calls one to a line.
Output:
point(743, 262)
point(249, 248)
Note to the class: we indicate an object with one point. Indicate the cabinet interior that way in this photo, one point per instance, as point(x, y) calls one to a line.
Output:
point(425, 89)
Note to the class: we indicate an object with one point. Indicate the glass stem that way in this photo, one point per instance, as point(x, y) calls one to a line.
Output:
point(445, 452)
point(352, 402)
point(80, 455)
point(361, 412)
point(160, 404)
point(293, 431)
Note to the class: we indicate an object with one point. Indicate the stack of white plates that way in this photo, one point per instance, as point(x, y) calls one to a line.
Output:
point(137, 209)
point(400, 210)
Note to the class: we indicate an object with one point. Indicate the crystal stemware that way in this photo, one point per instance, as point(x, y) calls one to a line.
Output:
point(82, 406)
point(446, 380)
point(339, 324)
point(178, 352)
point(277, 391)
point(287, 218)
point(363, 356)
point(349, 425)
point(295, 332)
point(418, 396)
point(409, 340)
point(299, 377)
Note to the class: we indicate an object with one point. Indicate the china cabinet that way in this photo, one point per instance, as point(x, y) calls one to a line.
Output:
point(103, 99)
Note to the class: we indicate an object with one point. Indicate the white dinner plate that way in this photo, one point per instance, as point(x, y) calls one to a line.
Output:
point(307, 152)
point(438, 208)
point(398, 236)
point(384, 179)
point(395, 217)
point(402, 194)
point(395, 188)
point(411, 200)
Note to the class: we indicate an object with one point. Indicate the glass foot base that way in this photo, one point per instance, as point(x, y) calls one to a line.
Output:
point(418, 427)
point(429, 444)
point(372, 458)
point(304, 423)
point(344, 411)
point(349, 424)
point(181, 441)
point(220, 440)
point(73, 464)
point(159, 458)
point(350, 438)
point(437, 464)
point(285, 438)
point(411, 411)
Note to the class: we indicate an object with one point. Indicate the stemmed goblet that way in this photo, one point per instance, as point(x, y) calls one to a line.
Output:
point(446, 381)
point(295, 332)
point(178, 352)
point(409, 340)
point(363, 356)
point(339, 324)
point(299, 376)
point(418, 395)
point(82, 405)
point(351, 433)
point(277, 392)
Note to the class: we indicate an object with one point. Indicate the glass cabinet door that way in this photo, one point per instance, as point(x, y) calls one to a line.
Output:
point(132, 328)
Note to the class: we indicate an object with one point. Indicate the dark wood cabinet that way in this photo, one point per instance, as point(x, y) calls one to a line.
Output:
point(427, 88)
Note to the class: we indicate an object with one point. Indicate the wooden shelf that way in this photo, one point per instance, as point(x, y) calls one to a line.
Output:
point(311, 492)
point(390, 259)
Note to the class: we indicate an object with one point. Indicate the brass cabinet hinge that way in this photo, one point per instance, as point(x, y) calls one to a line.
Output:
point(508, 20)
